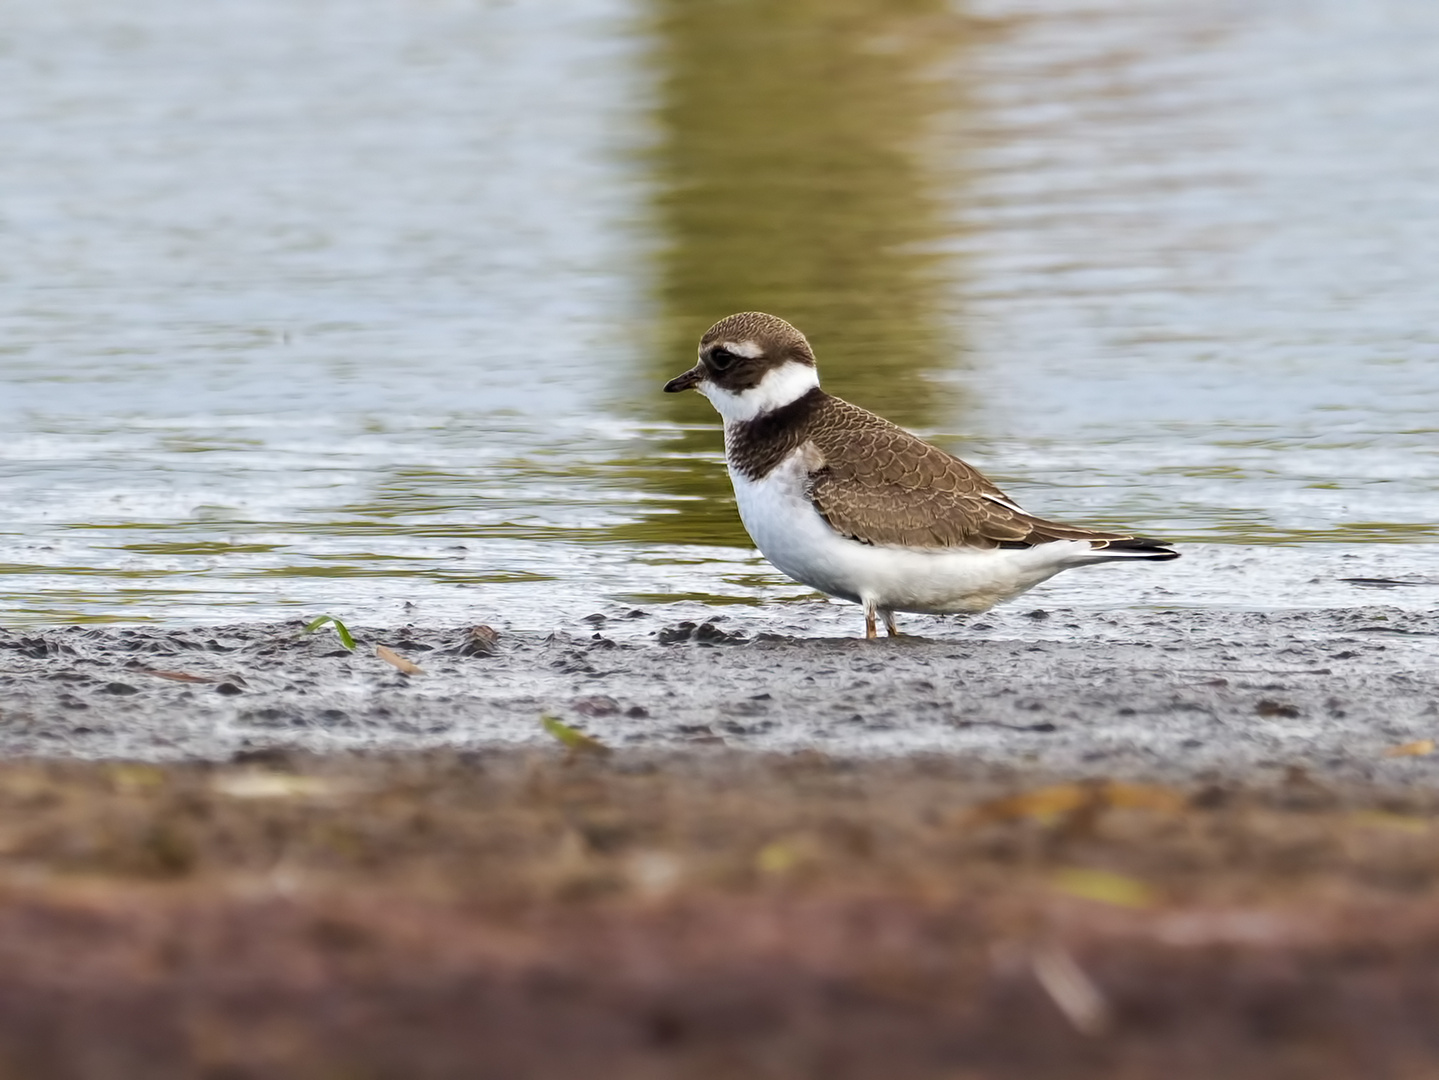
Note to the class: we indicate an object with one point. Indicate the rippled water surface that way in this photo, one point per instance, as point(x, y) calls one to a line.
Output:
point(364, 307)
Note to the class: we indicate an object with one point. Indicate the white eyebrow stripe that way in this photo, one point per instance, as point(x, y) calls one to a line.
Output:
point(748, 349)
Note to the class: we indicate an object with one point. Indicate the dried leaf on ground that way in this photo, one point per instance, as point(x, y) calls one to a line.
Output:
point(596, 705)
point(480, 641)
point(272, 785)
point(1050, 804)
point(405, 667)
point(1075, 993)
point(1384, 819)
point(181, 676)
point(1269, 708)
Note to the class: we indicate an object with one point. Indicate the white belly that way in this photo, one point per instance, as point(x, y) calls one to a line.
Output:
point(790, 533)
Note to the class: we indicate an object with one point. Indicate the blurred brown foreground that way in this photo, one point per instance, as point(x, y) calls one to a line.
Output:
point(708, 914)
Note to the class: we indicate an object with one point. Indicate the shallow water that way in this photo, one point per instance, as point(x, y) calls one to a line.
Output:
point(365, 309)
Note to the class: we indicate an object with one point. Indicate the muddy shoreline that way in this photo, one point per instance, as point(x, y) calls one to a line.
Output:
point(1166, 695)
point(544, 914)
point(1041, 843)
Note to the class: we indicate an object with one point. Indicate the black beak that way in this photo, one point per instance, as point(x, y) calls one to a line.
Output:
point(688, 381)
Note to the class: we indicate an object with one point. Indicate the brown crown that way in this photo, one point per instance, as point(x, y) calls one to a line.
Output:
point(776, 340)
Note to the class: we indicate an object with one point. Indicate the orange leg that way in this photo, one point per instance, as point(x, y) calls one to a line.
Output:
point(889, 626)
point(869, 622)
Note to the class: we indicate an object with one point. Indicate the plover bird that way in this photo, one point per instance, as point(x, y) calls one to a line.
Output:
point(847, 503)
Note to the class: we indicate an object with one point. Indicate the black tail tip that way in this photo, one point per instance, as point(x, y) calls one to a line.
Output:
point(1145, 548)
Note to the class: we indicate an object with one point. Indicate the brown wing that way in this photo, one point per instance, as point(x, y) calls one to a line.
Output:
point(877, 483)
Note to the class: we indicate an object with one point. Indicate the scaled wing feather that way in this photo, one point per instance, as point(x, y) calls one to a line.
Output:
point(879, 484)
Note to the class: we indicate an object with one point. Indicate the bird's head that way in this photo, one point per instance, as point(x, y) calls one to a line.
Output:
point(750, 364)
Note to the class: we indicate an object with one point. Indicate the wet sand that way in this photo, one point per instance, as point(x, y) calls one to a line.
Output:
point(1039, 843)
point(1166, 695)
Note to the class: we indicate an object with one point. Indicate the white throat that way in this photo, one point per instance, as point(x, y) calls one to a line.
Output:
point(780, 386)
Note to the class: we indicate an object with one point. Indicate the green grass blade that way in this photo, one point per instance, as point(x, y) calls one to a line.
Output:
point(346, 638)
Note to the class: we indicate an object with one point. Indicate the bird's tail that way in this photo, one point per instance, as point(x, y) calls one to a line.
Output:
point(1131, 547)
point(1103, 546)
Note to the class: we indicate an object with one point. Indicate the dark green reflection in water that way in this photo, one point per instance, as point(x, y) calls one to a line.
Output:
point(790, 181)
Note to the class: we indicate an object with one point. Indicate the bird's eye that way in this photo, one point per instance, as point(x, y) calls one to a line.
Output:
point(720, 359)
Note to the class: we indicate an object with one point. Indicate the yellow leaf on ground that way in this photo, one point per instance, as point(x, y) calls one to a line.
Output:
point(1045, 804)
point(1104, 886)
point(131, 777)
point(775, 858)
point(1417, 748)
point(1144, 797)
point(573, 738)
point(1383, 819)
point(389, 656)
